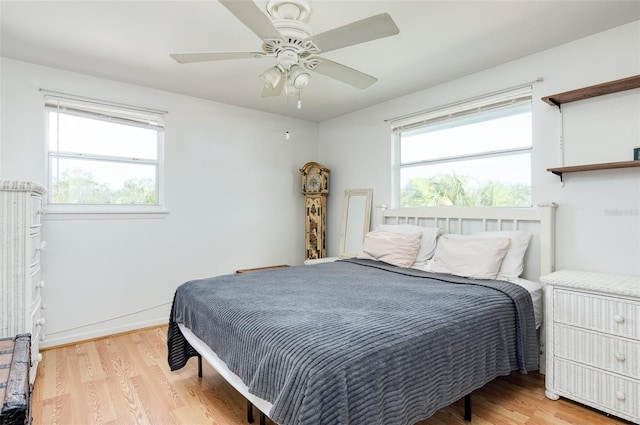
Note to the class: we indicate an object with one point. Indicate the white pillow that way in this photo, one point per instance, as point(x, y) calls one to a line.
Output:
point(478, 258)
point(513, 263)
point(427, 242)
point(398, 249)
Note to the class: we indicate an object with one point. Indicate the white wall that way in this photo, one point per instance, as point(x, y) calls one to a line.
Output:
point(232, 189)
point(598, 219)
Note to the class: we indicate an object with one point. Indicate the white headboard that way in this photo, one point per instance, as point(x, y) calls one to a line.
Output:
point(540, 221)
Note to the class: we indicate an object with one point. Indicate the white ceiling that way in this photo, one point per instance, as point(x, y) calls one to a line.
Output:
point(130, 41)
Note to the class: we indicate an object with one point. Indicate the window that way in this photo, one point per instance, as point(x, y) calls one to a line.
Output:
point(103, 157)
point(474, 153)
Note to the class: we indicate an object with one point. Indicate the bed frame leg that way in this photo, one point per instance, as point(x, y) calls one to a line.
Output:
point(199, 366)
point(467, 407)
point(263, 419)
point(249, 412)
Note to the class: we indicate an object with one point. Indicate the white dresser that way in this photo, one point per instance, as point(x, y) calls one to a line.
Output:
point(21, 210)
point(593, 340)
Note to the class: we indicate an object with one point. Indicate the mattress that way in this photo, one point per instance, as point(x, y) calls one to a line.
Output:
point(535, 290)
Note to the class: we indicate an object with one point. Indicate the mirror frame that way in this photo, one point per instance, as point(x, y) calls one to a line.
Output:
point(366, 219)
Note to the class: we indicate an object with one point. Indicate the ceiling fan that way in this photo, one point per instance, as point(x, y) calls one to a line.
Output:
point(287, 37)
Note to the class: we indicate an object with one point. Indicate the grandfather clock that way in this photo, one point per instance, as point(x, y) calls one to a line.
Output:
point(315, 187)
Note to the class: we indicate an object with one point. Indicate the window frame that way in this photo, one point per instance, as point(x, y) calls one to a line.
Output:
point(465, 108)
point(108, 112)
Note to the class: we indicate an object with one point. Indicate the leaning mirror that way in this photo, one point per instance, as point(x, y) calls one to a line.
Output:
point(355, 221)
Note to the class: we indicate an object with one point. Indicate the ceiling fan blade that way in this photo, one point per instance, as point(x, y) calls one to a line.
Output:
point(368, 29)
point(214, 56)
point(276, 91)
point(340, 72)
point(250, 14)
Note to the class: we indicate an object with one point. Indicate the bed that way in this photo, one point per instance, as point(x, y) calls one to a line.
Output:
point(368, 341)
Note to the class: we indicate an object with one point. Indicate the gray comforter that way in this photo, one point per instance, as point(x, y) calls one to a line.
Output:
point(357, 342)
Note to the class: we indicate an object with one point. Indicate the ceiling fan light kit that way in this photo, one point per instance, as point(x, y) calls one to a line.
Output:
point(298, 77)
point(287, 37)
point(271, 77)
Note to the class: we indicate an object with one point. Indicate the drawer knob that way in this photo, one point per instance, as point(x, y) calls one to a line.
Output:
point(40, 321)
point(618, 318)
point(39, 357)
point(620, 357)
point(42, 245)
point(620, 395)
point(40, 284)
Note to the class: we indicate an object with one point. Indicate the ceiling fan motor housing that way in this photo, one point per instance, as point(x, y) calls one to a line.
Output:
point(289, 18)
point(294, 34)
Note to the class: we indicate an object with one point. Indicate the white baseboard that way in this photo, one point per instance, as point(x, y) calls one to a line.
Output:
point(138, 320)
point(77, 337)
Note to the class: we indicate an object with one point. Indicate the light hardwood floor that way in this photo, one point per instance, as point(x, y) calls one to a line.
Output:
point(125, 379)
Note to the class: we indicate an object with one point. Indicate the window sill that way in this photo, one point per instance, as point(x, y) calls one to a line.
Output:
point(104, 212)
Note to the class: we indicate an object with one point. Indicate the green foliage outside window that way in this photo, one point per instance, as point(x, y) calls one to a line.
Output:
point(79, 187)
point(454, 189)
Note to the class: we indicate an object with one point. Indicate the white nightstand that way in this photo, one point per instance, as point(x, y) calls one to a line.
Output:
point(593, 340)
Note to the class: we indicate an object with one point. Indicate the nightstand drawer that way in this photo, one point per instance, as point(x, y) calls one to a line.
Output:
point(37, 321)
point(604, 314)
point(598, 389)
point(606, 352)
point(37, 334)
point(36, 281)
point(37, 245)
point(36, 211)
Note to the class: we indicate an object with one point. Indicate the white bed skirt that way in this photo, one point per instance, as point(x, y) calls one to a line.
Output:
point(221, 367)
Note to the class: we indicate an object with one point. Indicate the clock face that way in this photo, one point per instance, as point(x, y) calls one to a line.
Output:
point(313, 181)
